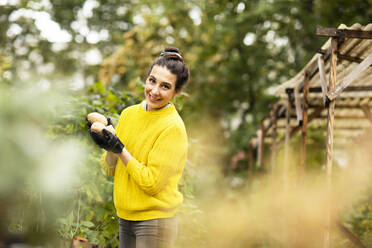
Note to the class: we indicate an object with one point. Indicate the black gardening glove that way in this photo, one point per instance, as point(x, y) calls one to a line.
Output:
point(113, 142)
point(101, 140)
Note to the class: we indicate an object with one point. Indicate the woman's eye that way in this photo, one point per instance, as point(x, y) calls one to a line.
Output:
point(152, 80)
point(166, 87)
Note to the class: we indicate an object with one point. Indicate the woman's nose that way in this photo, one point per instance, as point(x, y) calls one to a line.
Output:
point(155, 90)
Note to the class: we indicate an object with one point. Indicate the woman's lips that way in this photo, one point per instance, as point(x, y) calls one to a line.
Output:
point(153, 99)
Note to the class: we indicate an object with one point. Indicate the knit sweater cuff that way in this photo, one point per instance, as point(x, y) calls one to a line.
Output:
point(110, 170)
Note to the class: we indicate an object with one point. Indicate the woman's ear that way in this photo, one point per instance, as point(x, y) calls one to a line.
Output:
point(176, 93)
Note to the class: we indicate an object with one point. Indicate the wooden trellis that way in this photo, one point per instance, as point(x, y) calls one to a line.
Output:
point(336, 86)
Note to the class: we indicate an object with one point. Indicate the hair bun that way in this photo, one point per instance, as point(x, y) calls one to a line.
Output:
point(172, 49)
point(171, 53)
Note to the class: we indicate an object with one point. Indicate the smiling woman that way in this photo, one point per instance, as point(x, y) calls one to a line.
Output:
point(146, 157)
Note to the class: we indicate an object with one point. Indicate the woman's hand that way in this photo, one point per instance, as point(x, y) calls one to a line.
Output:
point(107, 140)
point(113, 143)
point(100, 140)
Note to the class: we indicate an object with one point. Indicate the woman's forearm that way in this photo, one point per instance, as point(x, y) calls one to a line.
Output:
point(111, 158)
point(125, 156)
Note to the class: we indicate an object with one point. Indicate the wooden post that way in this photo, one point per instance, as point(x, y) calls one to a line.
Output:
point(304, 125)
point(329, 145)
point(323, 78)
point(250, 157)
point(274, 136)
point(287, 137)
point(299, 113)
point(367, 112)
point(263, 133)
point(261, 144)
point(351, 236)
point(258, 148)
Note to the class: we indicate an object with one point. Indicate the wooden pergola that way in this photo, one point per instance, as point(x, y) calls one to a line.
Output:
point(336, 85)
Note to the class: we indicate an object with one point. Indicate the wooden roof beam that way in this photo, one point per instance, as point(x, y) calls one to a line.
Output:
point(343, 117)
point(343, 33)
point(340, 106)
point(342, 56)
point(339, 117)
point(348, 89)
point(367, 112)
point(350, 128)
point(312, 116)
point(350, 58)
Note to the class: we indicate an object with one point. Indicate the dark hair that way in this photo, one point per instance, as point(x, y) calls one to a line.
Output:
point(172, 59)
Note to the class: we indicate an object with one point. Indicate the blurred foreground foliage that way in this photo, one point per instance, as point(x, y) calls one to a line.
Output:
point(37, 174)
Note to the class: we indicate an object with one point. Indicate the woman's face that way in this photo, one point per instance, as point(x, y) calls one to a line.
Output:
point(160, 87)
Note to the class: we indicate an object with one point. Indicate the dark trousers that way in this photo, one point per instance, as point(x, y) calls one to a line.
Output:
point(156, 233)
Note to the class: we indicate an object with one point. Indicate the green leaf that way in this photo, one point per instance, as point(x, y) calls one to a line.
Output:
point(87, 224)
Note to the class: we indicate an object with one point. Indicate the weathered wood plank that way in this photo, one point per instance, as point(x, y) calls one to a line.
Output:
point(260, 148)
point(293, 131)
point(341, 56)
point(351, 236)
point(279, 112)
point(339, 106)
point(323, 79)
point(343, 33)
point(311, 117)
point(350, 58)
point(274, 114)
point(332, 94)
point(250, 157)
point(340, 117)
point(298, 107)
point(367, 112)
point(347, 128)
point(348, 89)
point(287, 145)
point(304, 126)
point(329, 144)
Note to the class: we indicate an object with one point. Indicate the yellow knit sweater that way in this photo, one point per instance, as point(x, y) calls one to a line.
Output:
point(147, 188)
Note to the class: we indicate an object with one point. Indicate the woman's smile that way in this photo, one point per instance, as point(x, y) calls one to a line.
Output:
point(153, 98)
